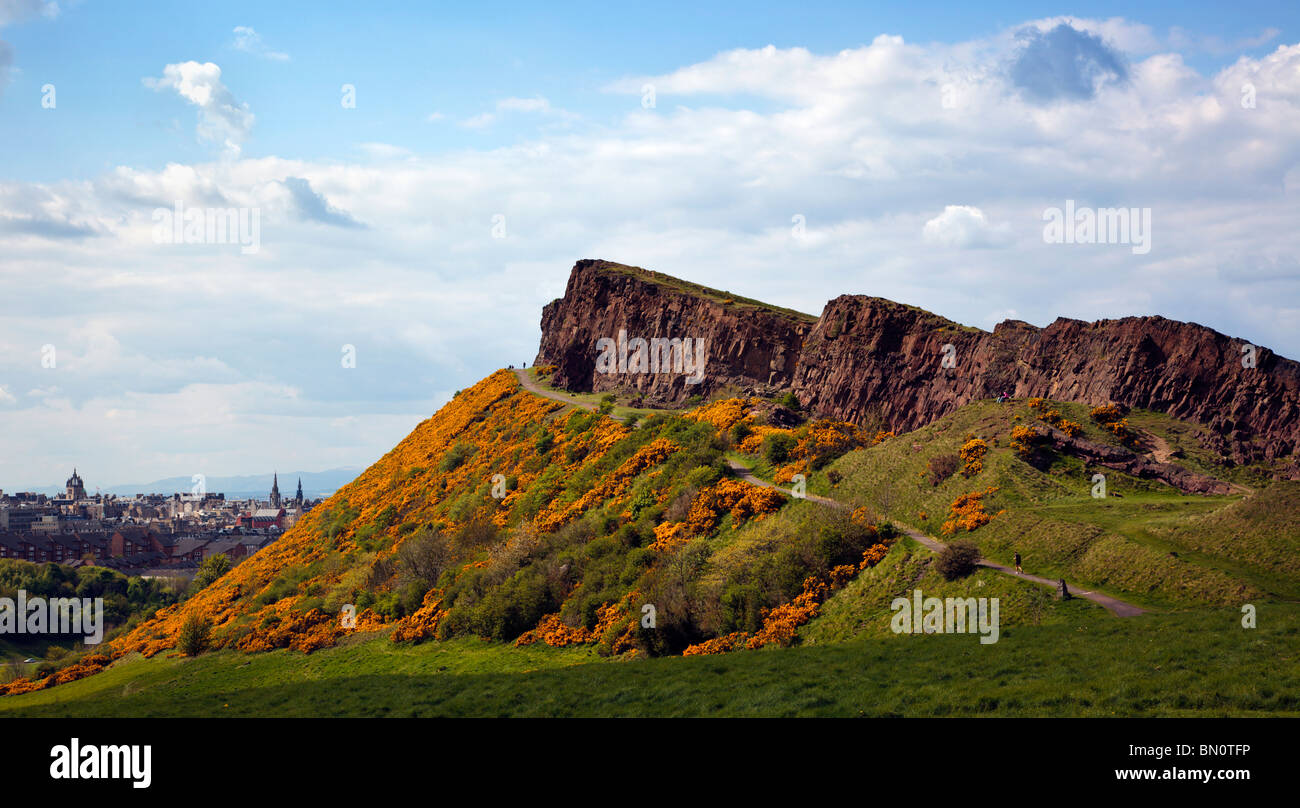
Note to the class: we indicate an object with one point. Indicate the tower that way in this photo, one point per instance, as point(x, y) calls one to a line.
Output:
point(298, 498)
point(75, 488)
point(275, 491)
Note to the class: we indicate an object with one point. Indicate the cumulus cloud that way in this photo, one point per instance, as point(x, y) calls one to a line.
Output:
point(222, 118)
point(964, 226)
point(249, 41)
point(894, 154)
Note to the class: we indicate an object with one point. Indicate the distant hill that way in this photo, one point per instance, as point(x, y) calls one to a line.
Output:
point(314, 484)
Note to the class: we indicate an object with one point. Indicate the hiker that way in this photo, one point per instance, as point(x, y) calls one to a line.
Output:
point(1017, 559)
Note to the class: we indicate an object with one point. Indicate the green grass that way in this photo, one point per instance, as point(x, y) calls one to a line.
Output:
point(1092, 664)
point(862, 608)
point(621, 412)
point(695, 290)
point(1121, 545)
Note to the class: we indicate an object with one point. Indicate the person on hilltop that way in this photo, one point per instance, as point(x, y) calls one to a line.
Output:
point(1017, 560)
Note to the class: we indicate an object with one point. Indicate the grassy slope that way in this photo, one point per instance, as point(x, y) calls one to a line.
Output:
point(862, 608)
point(1200, 663)
point(1053, 658)
point(1115, 544)
point(696, 290)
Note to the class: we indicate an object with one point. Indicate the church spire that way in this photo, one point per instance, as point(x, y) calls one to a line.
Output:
point(275, 490)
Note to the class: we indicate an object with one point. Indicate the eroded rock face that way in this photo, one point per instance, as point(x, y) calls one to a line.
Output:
point(870, 360)
point(1132, 463)
point(745, 345)
point(869, 357)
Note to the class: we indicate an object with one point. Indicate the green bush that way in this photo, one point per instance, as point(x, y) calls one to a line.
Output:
point(957, 560)
point(777, 447)
point(455, 457)
point(212, 568)
point(194, 634)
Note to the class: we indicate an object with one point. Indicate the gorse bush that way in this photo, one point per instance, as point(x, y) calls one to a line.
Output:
point(958, 559)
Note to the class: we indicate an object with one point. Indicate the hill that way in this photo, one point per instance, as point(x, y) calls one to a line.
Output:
point(565, 539)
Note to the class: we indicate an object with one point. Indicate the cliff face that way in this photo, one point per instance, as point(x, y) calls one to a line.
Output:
point(745, 343)
point(871, 360)
point(870, 357)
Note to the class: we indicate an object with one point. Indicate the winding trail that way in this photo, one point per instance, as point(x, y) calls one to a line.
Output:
point(1118, 607)
point(531, 386)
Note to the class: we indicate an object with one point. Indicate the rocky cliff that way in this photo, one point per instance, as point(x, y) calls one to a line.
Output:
point(746, 344)
point(871, 360)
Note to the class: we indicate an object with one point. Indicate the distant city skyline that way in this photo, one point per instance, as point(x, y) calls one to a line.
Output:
point(315, 483)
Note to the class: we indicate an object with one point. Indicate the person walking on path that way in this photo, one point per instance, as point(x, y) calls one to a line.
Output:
point(1017, 559)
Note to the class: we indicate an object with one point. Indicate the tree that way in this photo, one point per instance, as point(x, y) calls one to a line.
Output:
point(425, 555)
point(212, 568)
point(193, 639)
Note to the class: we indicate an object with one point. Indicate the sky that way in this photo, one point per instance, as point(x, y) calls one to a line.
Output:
point(422, 178)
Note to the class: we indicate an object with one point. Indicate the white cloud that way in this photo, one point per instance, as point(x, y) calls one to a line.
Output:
point(964, 226)
point(196, 346)
point(536, 105)
point(222, 118)
point(249, 41)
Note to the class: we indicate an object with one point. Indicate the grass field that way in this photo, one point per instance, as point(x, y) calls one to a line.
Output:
point(1087, 664)
point(1146, 542)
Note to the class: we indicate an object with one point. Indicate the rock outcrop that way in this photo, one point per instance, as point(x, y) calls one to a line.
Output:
point(870, 360)
point(747, 344)
point(1132, 463)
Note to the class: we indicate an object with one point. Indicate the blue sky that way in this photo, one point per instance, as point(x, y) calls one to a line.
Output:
point(921, 147)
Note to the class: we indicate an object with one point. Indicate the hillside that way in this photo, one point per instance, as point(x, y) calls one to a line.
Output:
point(569, 532)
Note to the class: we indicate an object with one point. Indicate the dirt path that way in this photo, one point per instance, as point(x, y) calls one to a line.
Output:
point(531, 386)
point(1118, 607)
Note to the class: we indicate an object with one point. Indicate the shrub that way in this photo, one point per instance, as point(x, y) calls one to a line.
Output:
point(972, 453)
point(957, 560)
point(194, 634)
point(941, 467)
point(739, 431)
point(212, 568)
point(424, 556)
point(455, 456)
point(777, 447)
point(1024, 440)
point(790, 401)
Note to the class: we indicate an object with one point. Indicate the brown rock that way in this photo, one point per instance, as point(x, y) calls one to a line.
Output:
point(868, 359)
